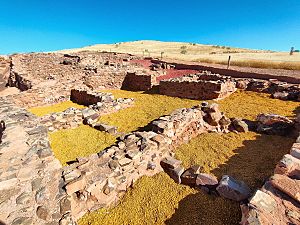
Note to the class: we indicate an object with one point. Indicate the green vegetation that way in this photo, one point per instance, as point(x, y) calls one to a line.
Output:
point(59, 107)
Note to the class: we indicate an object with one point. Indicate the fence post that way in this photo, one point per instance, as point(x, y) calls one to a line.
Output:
point(228, 63)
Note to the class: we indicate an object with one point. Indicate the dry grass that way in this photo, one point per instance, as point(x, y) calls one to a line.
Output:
point(203, 53)
point(59, 107)
point(82, 141)
point(159, 200)
point(264, 64)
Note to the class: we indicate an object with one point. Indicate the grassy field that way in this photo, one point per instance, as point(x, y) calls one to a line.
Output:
point(203, 53)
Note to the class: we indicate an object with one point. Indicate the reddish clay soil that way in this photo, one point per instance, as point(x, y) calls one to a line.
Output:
point(294, 75)
point(172, 73)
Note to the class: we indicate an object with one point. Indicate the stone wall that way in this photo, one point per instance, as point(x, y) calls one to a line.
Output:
point(194, 87)
point(278, 201)
point(30, 175)
point(100, 180)
point(135, 81)
point(72, 117)
point(87, 97)
point(47, 78)
point(278, 89)
point(4, 71)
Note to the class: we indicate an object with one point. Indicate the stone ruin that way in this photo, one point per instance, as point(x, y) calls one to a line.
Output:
point(198, 86)
point(36, 189)
point(32, 179)
point(98, 104)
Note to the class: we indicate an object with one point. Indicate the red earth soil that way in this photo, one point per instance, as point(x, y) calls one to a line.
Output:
point(172, 73)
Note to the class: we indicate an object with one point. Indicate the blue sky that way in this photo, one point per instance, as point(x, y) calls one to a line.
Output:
point(44, 25)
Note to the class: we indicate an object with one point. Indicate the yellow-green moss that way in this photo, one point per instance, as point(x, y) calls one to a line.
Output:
point(247, 105)
point(147, 107)
point(82, 141)
point(59, 107)
point(247, 156)
point(159, 200)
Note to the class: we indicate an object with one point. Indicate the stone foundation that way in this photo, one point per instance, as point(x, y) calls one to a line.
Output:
point(278, 89)
point(138, 82)
point(72, 117)
point(32, 178)
point(87, 97)
point(194, 87)
point(100, 180)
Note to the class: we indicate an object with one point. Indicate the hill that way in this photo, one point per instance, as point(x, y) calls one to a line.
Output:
point(202, 53)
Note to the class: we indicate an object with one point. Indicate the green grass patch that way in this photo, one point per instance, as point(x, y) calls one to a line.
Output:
point(59, 107)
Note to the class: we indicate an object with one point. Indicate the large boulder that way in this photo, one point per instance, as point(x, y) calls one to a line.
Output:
point(233, 189)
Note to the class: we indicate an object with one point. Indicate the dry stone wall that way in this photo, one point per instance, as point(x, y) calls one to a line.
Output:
point(30, 176)
point(194, 87)
point(100, 180)
point(72, 117)
point(278, 201)
point(86, 97)
point(278, 89)
point(135, 81)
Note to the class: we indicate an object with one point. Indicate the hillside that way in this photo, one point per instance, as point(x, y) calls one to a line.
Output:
point(202, 53)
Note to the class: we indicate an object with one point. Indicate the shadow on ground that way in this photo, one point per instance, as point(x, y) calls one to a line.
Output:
point(253, 163)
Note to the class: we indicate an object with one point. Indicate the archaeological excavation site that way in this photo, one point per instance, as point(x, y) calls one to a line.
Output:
point(104, 138)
